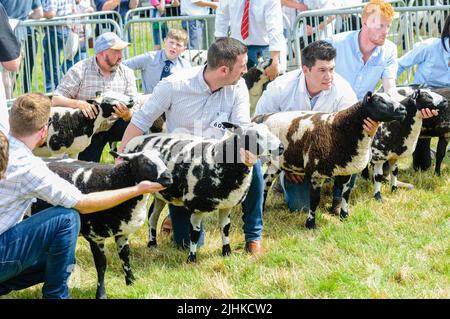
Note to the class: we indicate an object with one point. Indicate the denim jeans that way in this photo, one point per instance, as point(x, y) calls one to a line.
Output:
point(93, 152)
point(40, 249)
point(195, 30)
point(53, 44)
point(254, 51)
point(28, 62)
point(296, 195)
point(252, 207)
point(81, 55)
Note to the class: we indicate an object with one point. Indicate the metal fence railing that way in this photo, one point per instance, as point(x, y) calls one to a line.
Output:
point(45, 61)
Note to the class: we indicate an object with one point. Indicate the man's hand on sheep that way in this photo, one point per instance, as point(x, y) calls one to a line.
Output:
point(149, 187)
point(247, 158)
point(294, 178)
point(370, 126)
point(88, 110)
point(272, 70)
point(427, 113)
point(121, 111)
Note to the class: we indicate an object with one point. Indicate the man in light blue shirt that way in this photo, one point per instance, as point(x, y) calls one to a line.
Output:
point(152, 64)
point(432, 57)
point(366, 56)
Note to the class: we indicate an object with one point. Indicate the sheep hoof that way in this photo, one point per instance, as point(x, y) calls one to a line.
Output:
point(100, 295)
point(310, 223)
point(192, 258)
point(343, 215)
point(129, 280)
point(226, 250)
point(394, 189)
point(378, 197)
point(152, 244)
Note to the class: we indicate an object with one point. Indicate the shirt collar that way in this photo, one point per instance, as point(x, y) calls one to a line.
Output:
point(98, 70)
point(18, 144)
point(201, 79)
point(304, 90)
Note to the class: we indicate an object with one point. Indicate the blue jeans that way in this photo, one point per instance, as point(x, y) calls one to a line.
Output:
point(40, 249)
point(252, 207)
point(296, 195)
point(81, 55)
point(337, 191)
point(195, 30)
point(53, 43)
point(254, 51)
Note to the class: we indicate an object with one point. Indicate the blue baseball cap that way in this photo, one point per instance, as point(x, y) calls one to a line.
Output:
point(109, 40)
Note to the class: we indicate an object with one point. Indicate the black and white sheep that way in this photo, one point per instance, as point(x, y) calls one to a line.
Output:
point(120, 221)
point(70, 132)
point(207, 174)
point(322, 145)
point(256, 82)
point(437, 126)
point(397, 139)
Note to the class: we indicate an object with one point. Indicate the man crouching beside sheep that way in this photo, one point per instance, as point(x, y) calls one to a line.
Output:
point(42, 247)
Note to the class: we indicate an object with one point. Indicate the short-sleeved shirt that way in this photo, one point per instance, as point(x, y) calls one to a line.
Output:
point(191, 107)
point(432, 62)
point(9, 50)
point(27, 178)
point(151, 65)
point(122, 8)
point(20, 9)
point(85, 78)
point(289, 93)
point(62, 8)
point(363, 77)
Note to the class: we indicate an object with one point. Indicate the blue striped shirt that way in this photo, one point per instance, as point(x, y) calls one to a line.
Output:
point(190, 105)
point(27, 178)
point(432, 62)
point(61, 7)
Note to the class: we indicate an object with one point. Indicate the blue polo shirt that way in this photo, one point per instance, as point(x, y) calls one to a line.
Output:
point(363, 77)
point(20, 9)
point(432, 62)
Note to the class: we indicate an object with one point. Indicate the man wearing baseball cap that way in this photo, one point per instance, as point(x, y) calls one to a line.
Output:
point(102, 72)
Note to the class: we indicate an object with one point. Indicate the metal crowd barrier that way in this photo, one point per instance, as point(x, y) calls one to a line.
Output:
point(411, 24)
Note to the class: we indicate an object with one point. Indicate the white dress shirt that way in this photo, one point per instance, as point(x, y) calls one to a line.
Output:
point(27, 178)
point(289, 93)
point(265, 22)
point(189, 8)
point(191, 107)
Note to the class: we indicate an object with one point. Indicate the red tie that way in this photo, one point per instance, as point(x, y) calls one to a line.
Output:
point(244, 24)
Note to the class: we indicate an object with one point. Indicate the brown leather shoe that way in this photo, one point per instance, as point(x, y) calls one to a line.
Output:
point(166, 227)
point(254, 247)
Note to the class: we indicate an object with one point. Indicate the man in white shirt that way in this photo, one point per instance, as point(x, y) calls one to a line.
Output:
point(315, 87)
point(257, 24)
point(194, 100)
point(195, 27)
point(42, 248)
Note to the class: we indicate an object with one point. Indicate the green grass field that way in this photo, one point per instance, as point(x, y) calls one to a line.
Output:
point(395, 249)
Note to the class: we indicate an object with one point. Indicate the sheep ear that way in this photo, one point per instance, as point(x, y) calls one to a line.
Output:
point(115, 154)
point(230, 126)
point(367, 97)
point(416, 93)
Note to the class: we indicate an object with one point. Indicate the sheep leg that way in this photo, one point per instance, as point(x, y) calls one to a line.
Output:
point(440, 154)
point(314, 193)
point(421, 155)
point(269, 176)
point(378, 178)
point(393, 170)
point(98, 251)
point(345, 182)
point(124, 253)
point(224, 219)
point(153, 215)
point(196, 219)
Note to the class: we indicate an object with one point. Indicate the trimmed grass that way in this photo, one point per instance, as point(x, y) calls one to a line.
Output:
point(395, 249)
